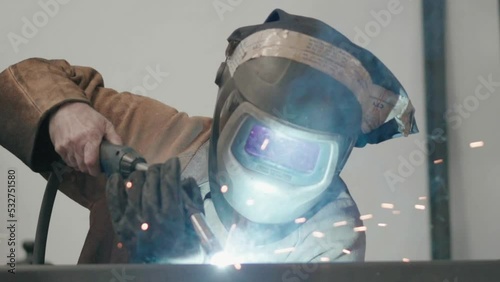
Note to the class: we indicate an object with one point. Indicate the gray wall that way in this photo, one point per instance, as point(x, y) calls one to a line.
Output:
point(474, 49)
point(187, 39)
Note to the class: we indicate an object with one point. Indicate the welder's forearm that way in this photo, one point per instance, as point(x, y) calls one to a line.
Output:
point(29, 92)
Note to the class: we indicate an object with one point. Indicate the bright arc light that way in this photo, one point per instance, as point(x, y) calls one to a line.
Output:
point(477, 144)
point(221, 259)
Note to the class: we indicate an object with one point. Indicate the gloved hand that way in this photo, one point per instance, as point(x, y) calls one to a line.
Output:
point(159, 202)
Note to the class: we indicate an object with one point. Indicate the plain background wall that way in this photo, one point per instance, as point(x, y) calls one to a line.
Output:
point(187, 39)
point(473, 56)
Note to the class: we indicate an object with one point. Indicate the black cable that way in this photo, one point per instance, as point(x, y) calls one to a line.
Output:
point(42, 228)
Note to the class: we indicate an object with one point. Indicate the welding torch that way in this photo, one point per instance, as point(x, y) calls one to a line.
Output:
point(125, 160)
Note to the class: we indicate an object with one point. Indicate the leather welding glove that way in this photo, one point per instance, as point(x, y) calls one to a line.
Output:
point(151, 212)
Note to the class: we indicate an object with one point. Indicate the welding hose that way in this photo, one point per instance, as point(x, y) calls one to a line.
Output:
point(42, 228)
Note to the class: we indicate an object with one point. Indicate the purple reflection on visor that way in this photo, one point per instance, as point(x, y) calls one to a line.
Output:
point(292, 153)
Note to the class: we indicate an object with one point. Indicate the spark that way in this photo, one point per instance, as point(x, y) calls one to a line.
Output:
point(387, 206)
point(264, 144)
point(420, 207)
point(382, 224)
point(324, 259)
point(422, 198)
point(340, 223)
point(360, 229)
point(119, 245)
point(318, 234)
point(366, 216)
point(406, 260)
point(346, 251)
point(438, 161)
point(396, 212)
point(237, 266)
point(129, 184)
point(477, 144)
point(300, 220)
point(223, 189)
point(285, 250)
point(144, 226)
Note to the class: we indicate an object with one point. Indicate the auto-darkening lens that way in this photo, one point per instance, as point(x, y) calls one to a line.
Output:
point(292, 153)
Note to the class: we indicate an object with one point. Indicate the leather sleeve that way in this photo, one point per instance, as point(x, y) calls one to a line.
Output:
point(29, 92)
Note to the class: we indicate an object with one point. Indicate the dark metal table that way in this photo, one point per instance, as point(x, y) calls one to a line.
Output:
point(476, 271)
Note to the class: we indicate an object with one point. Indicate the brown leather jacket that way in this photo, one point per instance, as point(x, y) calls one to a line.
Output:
point(30, 91)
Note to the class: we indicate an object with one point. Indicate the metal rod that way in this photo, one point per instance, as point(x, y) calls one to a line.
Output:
point(207, 238)
point(434, 21)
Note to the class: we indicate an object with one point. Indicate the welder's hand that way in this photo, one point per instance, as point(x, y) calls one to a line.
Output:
point(151, 212)
point(76, 130)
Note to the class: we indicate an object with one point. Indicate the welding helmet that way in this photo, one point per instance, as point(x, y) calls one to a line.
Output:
point(295, 96)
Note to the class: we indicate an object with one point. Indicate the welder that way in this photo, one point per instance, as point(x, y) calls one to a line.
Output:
point(295, 97)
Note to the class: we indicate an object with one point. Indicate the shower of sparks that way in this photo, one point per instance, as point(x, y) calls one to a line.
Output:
point(340, 223)
point(366, 216)
point(387, 206)
point(477, 144)
point(420, 207)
